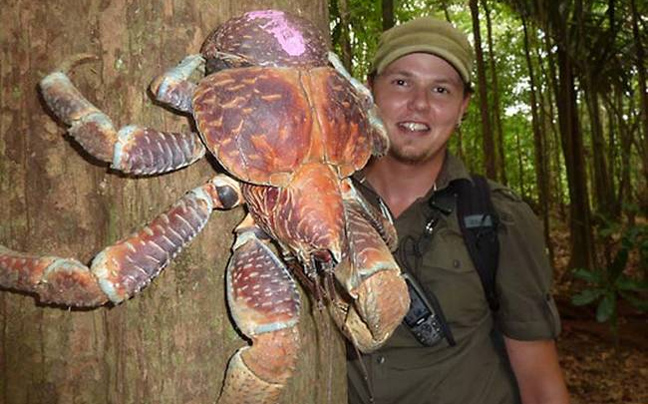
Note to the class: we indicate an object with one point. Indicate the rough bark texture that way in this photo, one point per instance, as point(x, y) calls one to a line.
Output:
point(171, 343)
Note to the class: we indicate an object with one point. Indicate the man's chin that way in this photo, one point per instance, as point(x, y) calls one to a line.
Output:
point(410, 157)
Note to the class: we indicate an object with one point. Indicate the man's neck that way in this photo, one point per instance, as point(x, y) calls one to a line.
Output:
point(399, 183)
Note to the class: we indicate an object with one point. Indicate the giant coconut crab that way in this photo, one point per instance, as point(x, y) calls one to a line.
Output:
point(290, 127)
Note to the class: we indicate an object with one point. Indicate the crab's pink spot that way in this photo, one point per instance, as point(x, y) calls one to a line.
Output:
point(290, 39)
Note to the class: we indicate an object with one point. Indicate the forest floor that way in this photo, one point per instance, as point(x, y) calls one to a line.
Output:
point(596, 369)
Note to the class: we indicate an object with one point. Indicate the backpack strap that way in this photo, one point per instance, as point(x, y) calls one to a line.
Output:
point(478, 222)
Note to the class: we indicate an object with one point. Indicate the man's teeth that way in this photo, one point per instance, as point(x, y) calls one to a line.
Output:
point(414, 126)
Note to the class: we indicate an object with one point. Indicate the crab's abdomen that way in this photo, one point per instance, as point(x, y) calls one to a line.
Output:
point(263, 124)
point(307, 216)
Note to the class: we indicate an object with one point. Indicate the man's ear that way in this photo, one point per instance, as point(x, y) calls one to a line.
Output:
point(465, 103)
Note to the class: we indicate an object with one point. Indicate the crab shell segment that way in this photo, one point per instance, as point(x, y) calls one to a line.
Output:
point(265, 38)
point(306, 216)
point(262, 124)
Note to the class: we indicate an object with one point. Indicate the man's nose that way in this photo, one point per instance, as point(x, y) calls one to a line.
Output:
point(419, 100)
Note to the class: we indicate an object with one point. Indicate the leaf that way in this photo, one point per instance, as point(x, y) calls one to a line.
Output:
point(625, 283)
point(587, 296)
point(589, 276)
point(636, 302)
point(606, 308)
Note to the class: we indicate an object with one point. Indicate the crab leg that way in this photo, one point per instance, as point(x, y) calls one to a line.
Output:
point(380, 218)
point(264, 302)
point(123, 269)
point(173, 87)
point(132, 149)
point(379, 133)
point(378, 294)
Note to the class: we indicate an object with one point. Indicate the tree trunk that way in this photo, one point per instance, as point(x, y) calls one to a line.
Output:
point(643, 76)
point(171, 343)
point(490, 167)
point(345, 35)
point(387, 14)
point(496, 111)
point(538, 138)
point(601, 170)
point(582, 247)
point(549, 122)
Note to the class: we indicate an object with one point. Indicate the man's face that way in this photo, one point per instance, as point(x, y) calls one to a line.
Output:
point(421, 100)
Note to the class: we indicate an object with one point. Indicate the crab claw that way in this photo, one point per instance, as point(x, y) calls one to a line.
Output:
point(371, 277)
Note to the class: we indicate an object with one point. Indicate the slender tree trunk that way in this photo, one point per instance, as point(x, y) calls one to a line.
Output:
point(538, 139)
point(520, 163)
point(496, 111)
point(446, 12)
point(171, 343)
point(490, 167)
point(603, 184)
point(387, 14)
point(616, 104)
point(345, 35)
point(582, 252)
point(550, 121)
point(641, 69)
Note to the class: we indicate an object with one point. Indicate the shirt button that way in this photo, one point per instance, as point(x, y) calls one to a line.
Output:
point(381, 360)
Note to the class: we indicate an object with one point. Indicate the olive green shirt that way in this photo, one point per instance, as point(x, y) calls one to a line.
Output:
point(475, 370)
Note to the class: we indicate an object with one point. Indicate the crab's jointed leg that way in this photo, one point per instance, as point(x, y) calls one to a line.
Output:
point(173, 87)
point(131, 149)
point(371, 277)
point(123, 269)
point(264, 303)
point(379, 133)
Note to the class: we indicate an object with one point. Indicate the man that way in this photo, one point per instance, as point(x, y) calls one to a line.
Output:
point(421, 83)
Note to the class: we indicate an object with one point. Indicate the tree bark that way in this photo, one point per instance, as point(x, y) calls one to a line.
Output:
point(643, 76)
point(345, 35)
point(387, 14)
point(551, 97)
point(538, 137)
point(171, 343)
point(601, 170)
point(582, 246)
point(496, 111)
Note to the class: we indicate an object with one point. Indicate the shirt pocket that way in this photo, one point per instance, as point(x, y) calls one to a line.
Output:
point(447, 270)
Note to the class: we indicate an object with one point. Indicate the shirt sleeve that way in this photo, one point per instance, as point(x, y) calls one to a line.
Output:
point(527, 309)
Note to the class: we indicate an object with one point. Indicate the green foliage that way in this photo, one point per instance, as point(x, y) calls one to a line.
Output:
point(609, 284)
point(597, 40)
point(365, 27)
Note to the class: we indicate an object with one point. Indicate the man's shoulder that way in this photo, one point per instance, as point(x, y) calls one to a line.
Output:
point(500, 191)
point(510, 206)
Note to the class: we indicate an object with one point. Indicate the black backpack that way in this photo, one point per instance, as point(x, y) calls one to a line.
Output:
point(478, 221)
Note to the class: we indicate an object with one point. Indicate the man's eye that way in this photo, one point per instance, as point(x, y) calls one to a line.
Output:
point(400, 82)
point(440, 90)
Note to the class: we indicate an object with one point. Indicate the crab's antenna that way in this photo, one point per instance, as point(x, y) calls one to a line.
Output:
point(75, 60)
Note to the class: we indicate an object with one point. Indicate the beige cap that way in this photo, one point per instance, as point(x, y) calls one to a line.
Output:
point(427, 35)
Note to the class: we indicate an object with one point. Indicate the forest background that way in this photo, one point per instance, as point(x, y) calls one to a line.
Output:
point(560, 114)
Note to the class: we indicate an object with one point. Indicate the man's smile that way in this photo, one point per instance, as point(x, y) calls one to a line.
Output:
point(412, 126)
